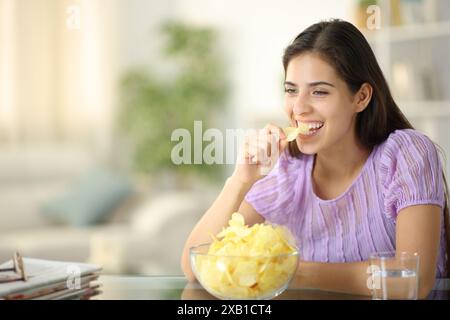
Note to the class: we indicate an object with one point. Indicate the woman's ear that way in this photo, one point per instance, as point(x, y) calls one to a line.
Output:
point(363, 97)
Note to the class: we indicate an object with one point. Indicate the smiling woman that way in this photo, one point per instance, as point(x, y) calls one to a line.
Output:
point(360, 181)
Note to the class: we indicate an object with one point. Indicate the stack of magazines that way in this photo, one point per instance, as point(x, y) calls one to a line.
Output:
point(46, 279)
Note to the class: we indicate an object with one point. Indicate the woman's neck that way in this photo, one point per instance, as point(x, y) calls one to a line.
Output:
point(343, 160)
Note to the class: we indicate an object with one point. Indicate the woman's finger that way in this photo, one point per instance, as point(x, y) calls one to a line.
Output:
point(275, 130)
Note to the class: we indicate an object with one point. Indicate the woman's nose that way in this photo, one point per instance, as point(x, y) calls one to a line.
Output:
point(300, 106)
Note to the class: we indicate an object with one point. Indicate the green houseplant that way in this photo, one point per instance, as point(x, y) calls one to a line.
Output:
point(152, 107)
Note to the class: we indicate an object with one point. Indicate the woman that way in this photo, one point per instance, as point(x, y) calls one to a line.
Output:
point(361, 181)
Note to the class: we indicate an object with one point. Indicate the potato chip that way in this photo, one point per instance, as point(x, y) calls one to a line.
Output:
point(293, 132)
point(248, 262)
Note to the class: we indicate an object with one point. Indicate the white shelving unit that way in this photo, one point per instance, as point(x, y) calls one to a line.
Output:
point(416, 47)
point(410, 32)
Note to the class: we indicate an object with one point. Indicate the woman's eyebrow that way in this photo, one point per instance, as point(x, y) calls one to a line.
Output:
point(311, 84)
point(316, 83)
point(288, 83)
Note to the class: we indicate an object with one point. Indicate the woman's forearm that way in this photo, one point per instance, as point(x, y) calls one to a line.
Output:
point(215, 218)
point(351, 277)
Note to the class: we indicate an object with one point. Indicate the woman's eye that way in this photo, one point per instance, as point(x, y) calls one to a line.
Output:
point(290, 90)
point(319, 93)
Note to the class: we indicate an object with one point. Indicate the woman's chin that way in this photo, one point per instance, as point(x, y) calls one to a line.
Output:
point(307, 149)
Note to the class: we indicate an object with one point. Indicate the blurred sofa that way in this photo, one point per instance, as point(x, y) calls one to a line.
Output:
point(143, 234)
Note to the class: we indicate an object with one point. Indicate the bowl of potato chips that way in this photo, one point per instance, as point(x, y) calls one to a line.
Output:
point(242, 262)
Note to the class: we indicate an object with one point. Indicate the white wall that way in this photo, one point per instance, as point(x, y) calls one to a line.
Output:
point(61, 84)
point(255, 34)
point(140, 41)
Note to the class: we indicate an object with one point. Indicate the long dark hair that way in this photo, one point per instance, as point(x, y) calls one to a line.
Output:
point(344, 47)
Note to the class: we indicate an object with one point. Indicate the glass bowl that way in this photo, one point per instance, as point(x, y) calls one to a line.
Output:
point(243, 277)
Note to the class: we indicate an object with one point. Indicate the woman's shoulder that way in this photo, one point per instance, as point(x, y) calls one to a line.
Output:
point(407, 141)
point(411, 135)
point(410, 171)
point(405, 148)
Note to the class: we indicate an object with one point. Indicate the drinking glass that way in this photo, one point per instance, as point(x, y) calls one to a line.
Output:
point(394, 275)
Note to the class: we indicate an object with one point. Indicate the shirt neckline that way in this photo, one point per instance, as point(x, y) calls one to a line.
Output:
point(343, 194)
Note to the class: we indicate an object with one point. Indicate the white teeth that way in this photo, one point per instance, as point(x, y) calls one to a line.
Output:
point(311, 125)
point(315, 125)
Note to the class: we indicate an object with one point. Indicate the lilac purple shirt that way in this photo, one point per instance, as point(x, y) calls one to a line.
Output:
point(404, 170)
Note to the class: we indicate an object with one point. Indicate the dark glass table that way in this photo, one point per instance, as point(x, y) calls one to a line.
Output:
point(116, 287)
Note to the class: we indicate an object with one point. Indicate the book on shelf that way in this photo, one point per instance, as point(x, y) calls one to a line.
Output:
point(47, 279)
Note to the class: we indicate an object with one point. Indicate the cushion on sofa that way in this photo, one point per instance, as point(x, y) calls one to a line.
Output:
point(91, 200)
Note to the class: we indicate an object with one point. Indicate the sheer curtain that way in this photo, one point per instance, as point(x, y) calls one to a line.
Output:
point(7, 79)
point(58, 73)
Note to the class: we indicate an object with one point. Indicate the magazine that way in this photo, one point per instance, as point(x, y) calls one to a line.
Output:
point(47, 278)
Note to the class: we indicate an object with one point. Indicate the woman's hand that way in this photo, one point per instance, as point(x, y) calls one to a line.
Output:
point(259, 153)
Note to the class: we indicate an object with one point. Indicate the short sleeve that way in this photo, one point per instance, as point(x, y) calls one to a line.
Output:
point(273, 196)
point(411, 172)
